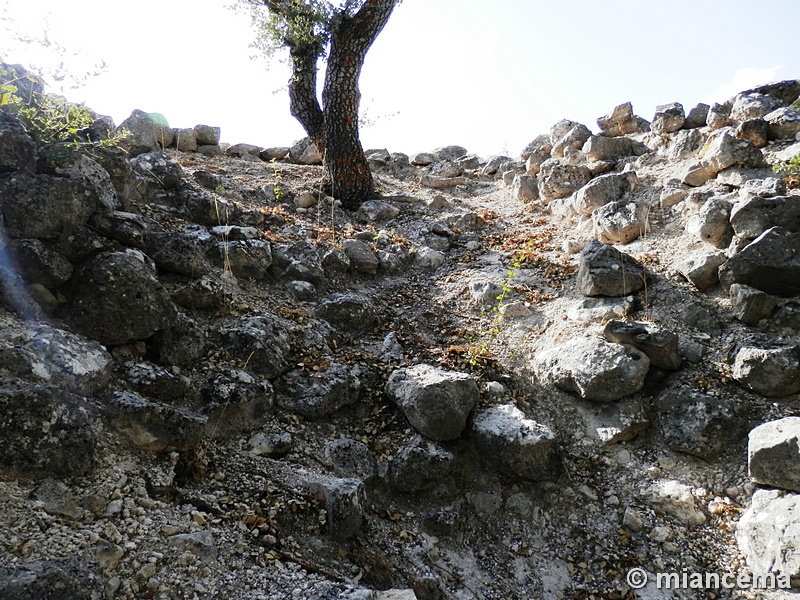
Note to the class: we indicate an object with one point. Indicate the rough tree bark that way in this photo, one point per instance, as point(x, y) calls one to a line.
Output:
point(333, 127)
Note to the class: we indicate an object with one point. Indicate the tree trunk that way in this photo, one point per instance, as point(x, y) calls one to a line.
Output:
point(348, 176)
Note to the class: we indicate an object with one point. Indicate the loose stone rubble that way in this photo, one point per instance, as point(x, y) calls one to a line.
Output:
point(504, 378)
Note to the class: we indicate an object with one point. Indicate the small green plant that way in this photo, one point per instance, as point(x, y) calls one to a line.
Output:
point(277, 187)
point(790, 168)
point(51, 120)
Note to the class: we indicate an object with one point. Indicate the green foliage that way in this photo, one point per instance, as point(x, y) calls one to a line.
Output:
point(790, 168)
point(795, 105)
point(49, 119)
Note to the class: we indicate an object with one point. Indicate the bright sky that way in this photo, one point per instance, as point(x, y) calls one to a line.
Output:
point(489, 76)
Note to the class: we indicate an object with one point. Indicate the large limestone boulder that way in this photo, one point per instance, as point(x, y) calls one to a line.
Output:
point(755, 215)
point(44, 206)
point(139, 133)
point(436, 402)
point(773, 454)
point(319, 393)
point(770, 372)
point(261, 343)
point(723, 149)
point(768, 533)
point(711, 223)
point(75, 577)
point(602, 190)
point(559, 179)
point(45, 430)
point(117, 299)
point(516, 445)
point(605, 271)
point(669, 118)
point(770, 263)
point(620, 222)
point(593, 368)
point(621, 121)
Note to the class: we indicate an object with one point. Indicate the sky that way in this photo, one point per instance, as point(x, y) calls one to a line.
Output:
point(489, 76)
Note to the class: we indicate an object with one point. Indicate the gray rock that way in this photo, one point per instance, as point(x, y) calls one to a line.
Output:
point(593, 368)
point(76, 577)
point(178, 252)
point(669, 118)
point(724, 150)
point(91, 173)
point(515, 445)
point(700, 316)
point(251, 152)
point(428, 258)
point(752, 106)
point(57, 499)
point(261, 344)
point(761, 184)
point(362, 257)
point(314, 394)
point(423, 159)
point(785, 92)
point(45, 430)
point(436, 402)
point(345, 500)
point(676, 499)
point(773, 454)
point(301, 261)
point(485, 293)
point(115, 162)
point(376, 210)
point(767, 534)
point(391, 349)
point(697, 117)
point(43, 206)
point(600, 309)
point(621, 121)
point(684, 144)
point(702, 269)
point(17, 148)
point(118, 299)
point(605, 271)
point(235, 401)
point(783, 124)
point(535, 153)
point(712, 223)
point(199, 543)
point(246, 259)
point(750, 305)
point(660, 346)
point(446, 169)
point(129, 229)
point(301, 290)
point(39, 353)
point(614, 422)
point(139, 133)
point(695, 174)
point(696, 423)
point(272, 154)
point(348, 312)
point(335, 260)
point(421, 465)
point(157, 383)
point(304, 200)
point(755, 131)
point(770, 263)
point(180, 345)
point(603, 189)
point(208, 210)
point(770, 372)
point(207, 135)
point(39, 264)
point(525, 188)
point(273, 445)
point(601, 147)
point(186, 139)
point(158, 170)
point(154, 426)
point(450, 152)
point(620, 222)
point(558, 179)
point(719, 116)
point(574, 139)
point(754, 216)
point(350, 458)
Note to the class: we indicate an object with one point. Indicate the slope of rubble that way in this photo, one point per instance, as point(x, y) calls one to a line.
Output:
point(504, 378)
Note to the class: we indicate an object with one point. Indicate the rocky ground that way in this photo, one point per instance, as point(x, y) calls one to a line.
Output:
point(505, 378)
